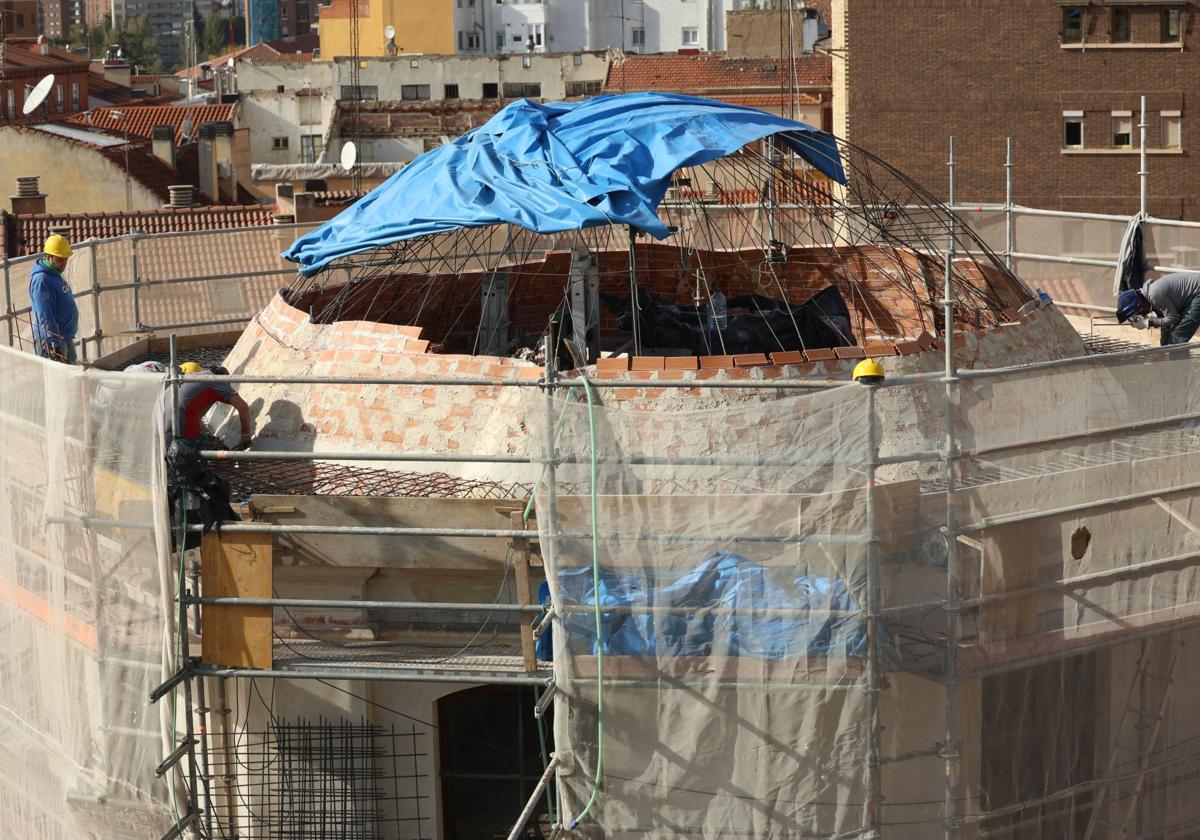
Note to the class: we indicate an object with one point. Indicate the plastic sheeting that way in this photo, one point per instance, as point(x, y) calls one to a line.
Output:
point(732, 621)
point(774, 639)
point(551, 167)
point(81, 616)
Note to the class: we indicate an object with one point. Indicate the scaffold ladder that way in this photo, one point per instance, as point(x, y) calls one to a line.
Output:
point(1145, 725)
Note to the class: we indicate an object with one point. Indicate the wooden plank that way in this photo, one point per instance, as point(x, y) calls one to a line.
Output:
point(236, 566)
point(487, 554)
point(521, 565)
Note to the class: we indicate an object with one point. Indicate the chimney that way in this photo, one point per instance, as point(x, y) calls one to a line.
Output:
point(285, 201)
point(226, 170)
point(181, 196)
point(163, 144)
point(29, 200)
point(208, 162)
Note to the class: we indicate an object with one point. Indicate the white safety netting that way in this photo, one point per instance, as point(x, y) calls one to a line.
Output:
point(740, 551)
point(82, 623)
point(730, 555)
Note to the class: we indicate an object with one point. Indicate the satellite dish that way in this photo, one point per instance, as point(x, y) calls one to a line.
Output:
point(389, 32)
point(38, 95)
point(349, 155)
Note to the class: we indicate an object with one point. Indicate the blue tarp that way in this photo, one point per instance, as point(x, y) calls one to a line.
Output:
point(557, 166)
point(740, 589)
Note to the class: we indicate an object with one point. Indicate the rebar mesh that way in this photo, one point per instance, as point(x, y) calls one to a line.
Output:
point(317, 478)
point(355, 781)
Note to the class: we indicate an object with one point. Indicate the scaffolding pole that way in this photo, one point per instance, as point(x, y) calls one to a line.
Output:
point(950, 746)
point(1008, 204)
point(874, 591)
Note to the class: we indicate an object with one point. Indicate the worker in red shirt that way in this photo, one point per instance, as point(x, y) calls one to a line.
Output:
point(196, 398)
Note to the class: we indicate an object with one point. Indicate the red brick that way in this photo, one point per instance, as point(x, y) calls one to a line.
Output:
point(646, 363)
point(681, 363)
point(787, 357)
point(750, 360)
point(878, 348)
point(617, 365)
point(716, 362)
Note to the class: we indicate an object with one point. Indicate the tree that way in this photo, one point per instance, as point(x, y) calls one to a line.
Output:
point(216, 35)
point(138, 44)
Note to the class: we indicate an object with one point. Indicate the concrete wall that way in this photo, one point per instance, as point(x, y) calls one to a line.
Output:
point(552, 72)
point(75, 178)
point(422, 26)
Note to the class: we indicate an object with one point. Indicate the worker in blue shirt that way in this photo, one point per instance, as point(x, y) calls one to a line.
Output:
point(55, 315)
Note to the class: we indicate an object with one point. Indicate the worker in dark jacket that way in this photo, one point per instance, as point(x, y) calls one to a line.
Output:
point(55, 315)
point(1171, 302)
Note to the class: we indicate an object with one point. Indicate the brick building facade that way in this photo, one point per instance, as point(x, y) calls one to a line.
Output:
point(1063, 80)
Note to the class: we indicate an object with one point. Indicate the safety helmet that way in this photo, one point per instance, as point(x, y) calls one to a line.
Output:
point(1130, 303)
point(868, 372)
point(57, 246)
point(191, 367)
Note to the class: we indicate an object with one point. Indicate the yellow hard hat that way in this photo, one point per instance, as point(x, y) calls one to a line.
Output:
point(58, 246)
point(868, 371)
point(190, 367)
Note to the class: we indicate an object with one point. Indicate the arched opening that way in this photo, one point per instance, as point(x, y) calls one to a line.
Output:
point(491, 759)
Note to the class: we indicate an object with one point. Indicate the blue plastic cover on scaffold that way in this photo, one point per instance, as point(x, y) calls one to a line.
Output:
point(732, 597)
point(557, 166)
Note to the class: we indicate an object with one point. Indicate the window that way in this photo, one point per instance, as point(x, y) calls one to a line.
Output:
point(368, 93)
point(413, 93)
point(1172, 32)
point(451, 92)
point(490, 758)
point(1073, 129)
point(583, 88)
point(279, 144)
point(74, 96)
point(691, 36)
point(1122, 129)
point(638, 38)
point(522, 90)
point(1119, 31)
point(1172, 130)
point(491, 90)
point(1072, 25)
point(310, 148)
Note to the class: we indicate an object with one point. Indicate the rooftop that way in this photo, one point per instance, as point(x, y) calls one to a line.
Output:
point(708, 72)
point(140, 120)
point(25, 234)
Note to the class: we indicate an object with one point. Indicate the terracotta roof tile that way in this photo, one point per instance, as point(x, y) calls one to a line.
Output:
point(710, 72)
point(140, 120)
point(31, 231)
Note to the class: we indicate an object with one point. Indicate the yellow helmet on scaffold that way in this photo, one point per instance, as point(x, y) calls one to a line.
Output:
point(57, 246)
point(868, 372)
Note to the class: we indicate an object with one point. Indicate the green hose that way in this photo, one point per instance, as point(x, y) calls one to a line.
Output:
point(599, 628)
